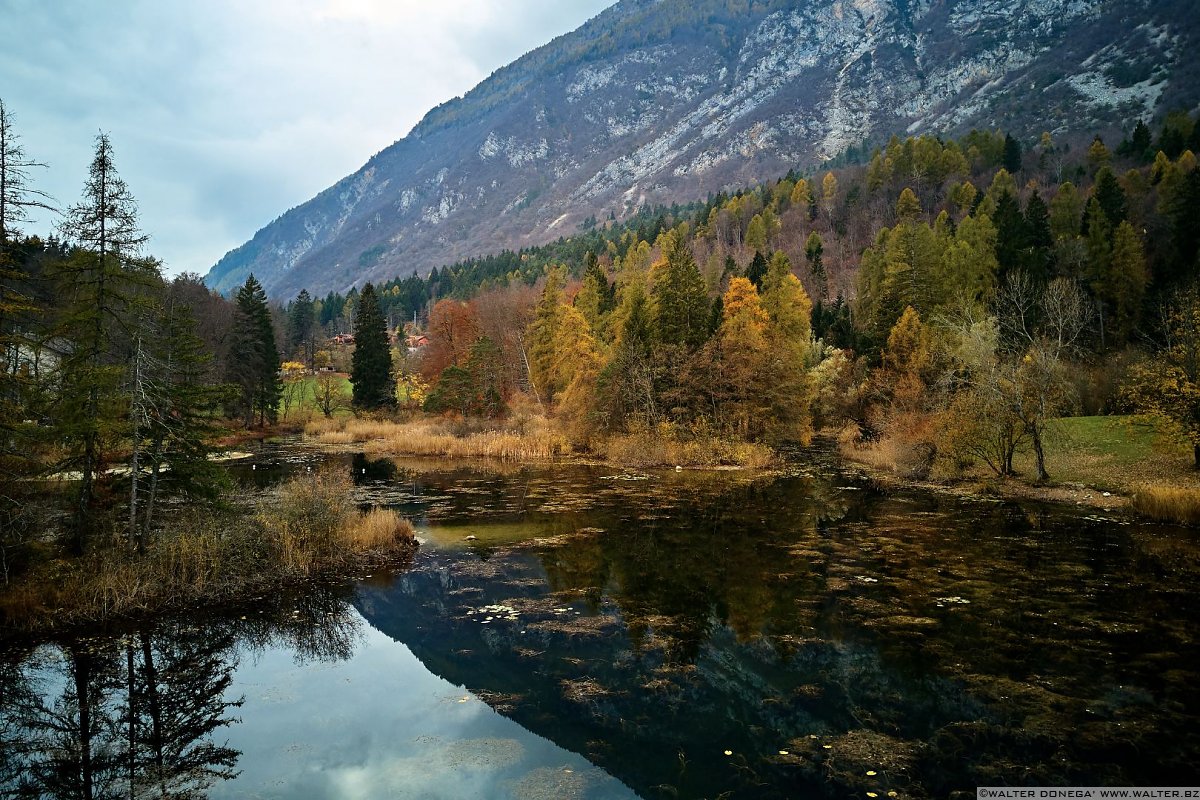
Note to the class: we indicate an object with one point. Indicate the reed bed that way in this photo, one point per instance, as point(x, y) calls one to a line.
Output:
point(528, 442)
point(1168, 504)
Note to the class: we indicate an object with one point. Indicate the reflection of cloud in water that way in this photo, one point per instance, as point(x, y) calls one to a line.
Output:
point(381, 725)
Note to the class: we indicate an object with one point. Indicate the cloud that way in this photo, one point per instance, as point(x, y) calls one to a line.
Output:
point(224, 114)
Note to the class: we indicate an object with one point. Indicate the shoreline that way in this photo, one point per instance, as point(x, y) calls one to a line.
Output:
point(1013, 488)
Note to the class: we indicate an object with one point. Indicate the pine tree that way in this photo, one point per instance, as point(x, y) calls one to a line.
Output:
point(302, 327)
point(253, 365)
point(1012, 239)
point(1040, 241)
point(1111, 196)
point(371, 365)
point(757, 270)
point(103, 282)
point(679, 297)
point(1012, 153)
point(813, 250)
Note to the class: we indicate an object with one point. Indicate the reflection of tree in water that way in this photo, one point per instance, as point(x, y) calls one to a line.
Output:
point(140, 716)
point(123, 718)
point(706, 565)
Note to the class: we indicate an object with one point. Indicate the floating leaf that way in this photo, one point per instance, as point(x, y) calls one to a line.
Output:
point(827, 746)
point(783, 752)
point(728, 752)
point(872, 772)
point(872, 794)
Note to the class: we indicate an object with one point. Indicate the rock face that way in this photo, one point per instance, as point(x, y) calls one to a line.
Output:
point(667, 100)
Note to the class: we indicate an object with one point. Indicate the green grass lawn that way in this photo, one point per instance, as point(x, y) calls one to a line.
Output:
point(304, 402)
point(1116, 453)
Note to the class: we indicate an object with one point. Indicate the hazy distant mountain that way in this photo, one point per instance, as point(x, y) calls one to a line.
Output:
point(663, 100)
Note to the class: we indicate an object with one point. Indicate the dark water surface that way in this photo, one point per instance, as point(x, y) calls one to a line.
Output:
point(577, 632)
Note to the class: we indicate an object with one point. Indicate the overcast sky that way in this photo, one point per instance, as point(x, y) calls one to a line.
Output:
point(225, 113)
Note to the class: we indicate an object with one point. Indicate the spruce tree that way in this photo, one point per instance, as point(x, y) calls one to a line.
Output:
point(302, 326)
point(101, 283)
point(1012, 153)
point(1040, 252)
point(681, 308)
point(813, 250)
point(371, 366)
point(253, 365)
point(757, 269)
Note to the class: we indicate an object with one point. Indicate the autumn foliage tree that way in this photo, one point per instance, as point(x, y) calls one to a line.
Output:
point(1167, 385)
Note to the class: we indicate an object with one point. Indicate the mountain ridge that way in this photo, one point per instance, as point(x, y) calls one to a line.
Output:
point(662, 100)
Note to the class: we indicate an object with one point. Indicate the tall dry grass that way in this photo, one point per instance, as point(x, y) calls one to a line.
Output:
point(1168, 504)
point(527, 442)
point(310, 530)
point(647, 450)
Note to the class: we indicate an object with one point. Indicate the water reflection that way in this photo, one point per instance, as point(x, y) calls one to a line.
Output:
point(834, 640)
point(582, 632)
point(146, 712)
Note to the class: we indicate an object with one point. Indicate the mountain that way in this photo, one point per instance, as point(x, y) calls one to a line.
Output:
point(667, 100)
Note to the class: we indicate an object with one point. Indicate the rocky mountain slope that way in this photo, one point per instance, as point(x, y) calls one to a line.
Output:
point(664, 100)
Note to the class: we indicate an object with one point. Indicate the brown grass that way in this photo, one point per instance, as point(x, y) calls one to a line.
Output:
point(648, 450)
point(529, 438)
point(529, 442)
point(1168, 504)
point(310, 531)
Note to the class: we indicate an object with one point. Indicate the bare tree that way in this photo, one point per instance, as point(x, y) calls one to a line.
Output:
point(17, 197)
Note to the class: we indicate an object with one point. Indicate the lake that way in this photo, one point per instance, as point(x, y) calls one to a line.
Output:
point(584, 632)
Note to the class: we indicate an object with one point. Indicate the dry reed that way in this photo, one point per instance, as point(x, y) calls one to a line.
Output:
point(1168, 504)
point(656, 451)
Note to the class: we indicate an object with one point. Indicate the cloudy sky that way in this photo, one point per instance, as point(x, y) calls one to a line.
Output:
point(225, 113)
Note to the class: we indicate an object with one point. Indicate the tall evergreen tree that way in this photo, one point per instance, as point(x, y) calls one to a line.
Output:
point(1012, 153)
point(813, 250)
point(757, 270)
point(1040, 253)
point(1111, 196)
point(253, 357)
point(681, 309)
point(371, 365)
point(1012, 239)
point(302, 326)
point(103, 280)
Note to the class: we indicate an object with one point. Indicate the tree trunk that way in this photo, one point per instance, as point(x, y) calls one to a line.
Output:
point(132, 692)
point(136, 409)
point(155, 711)
point(152, 493)
point(1042, 475)
point(83, 673)
point(1196, 455)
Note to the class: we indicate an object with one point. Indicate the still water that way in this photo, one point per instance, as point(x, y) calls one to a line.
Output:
point(581, 632)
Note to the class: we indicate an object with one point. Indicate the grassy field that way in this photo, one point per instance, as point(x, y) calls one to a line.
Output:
point(1117, 454)
point(304, 399)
